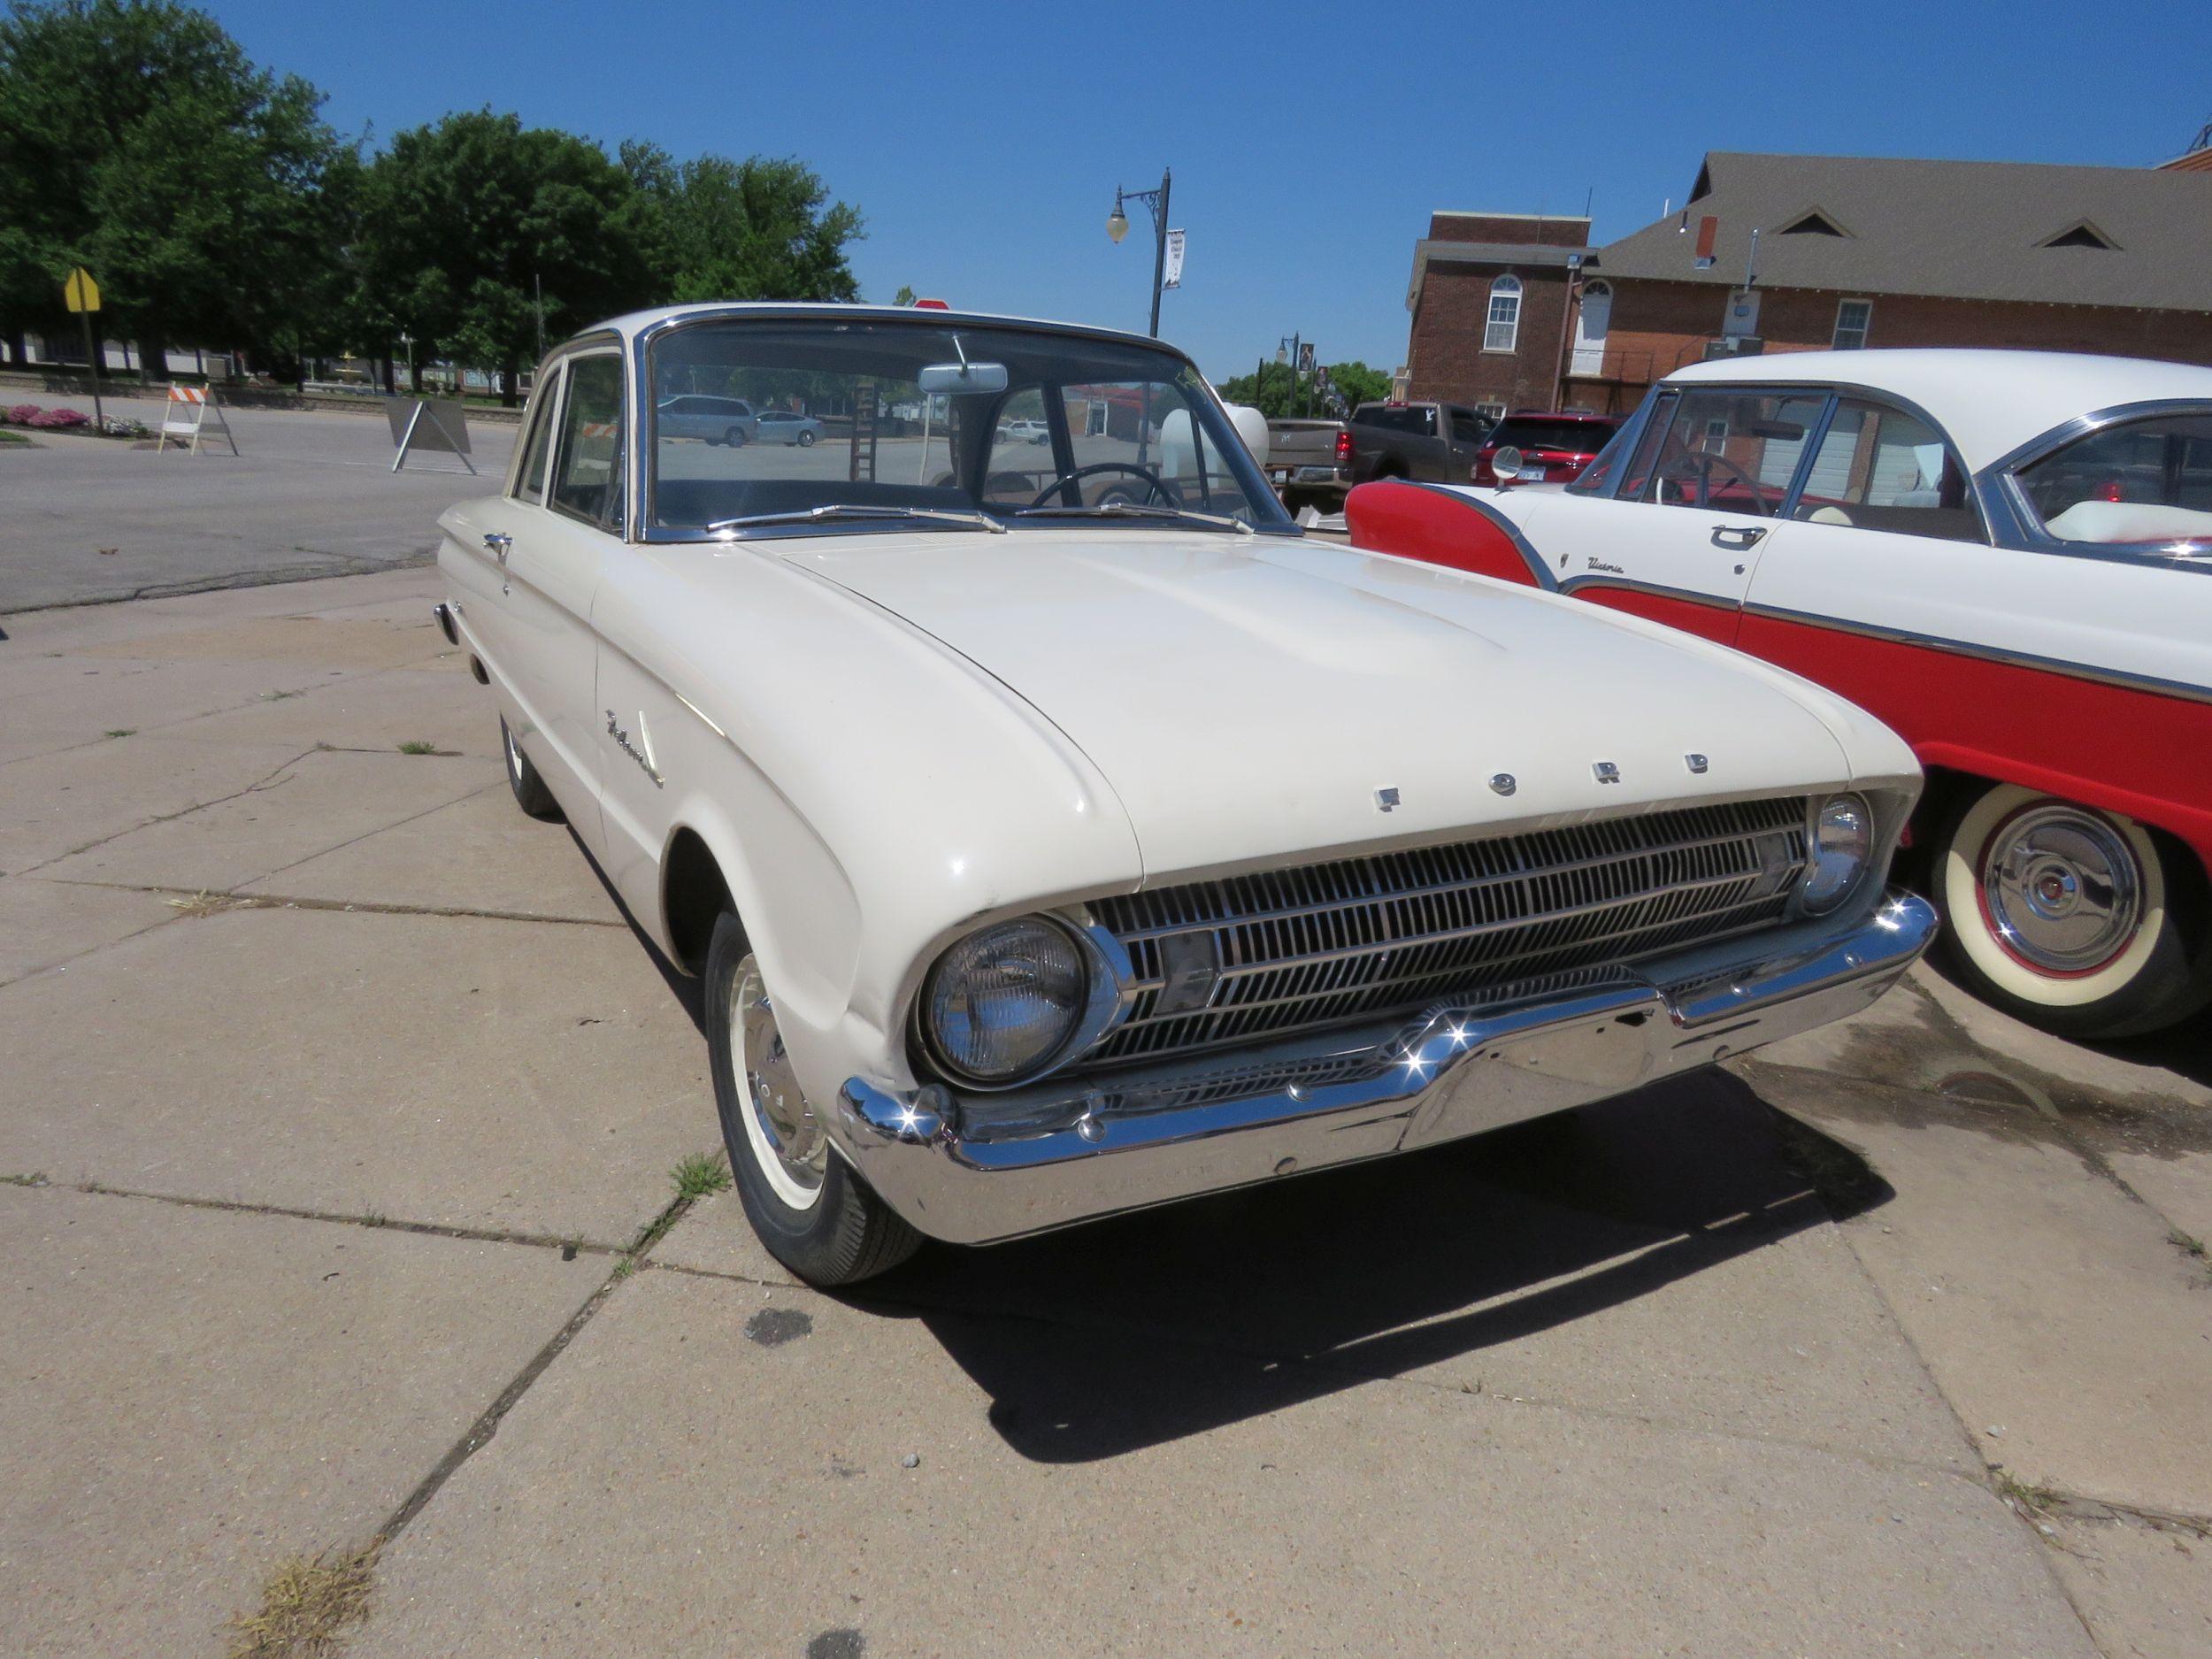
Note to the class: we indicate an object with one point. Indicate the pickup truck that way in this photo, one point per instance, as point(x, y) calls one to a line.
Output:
point(1316, 462)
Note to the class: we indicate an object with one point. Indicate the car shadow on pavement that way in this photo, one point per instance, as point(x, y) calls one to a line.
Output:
point(1105, 1340)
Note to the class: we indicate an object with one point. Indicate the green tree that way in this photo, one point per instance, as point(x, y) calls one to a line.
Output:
point(904, 297)
point(762, 228)
point(140, 141)
point(1269, 390)
point(465, 222)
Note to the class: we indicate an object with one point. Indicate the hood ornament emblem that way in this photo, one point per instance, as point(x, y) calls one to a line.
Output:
point(1386, 800)
point(1502, 782)
point(1606, 771)
point(1695, 763)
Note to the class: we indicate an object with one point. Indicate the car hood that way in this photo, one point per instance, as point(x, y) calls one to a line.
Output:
point(1252, 698)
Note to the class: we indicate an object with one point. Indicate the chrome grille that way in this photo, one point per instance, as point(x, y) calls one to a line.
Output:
point(1354, 938)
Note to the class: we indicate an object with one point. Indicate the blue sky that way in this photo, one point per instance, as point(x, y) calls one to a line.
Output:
point(1310, 142)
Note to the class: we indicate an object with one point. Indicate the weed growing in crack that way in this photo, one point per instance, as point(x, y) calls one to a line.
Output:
point(308, 1606)
point(204, 903)
point(416, 746)
point(36, 1177)
point(123, 731)
point(700, 1175)
point(2030, 1498)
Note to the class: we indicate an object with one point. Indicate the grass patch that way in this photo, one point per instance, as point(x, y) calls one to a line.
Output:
point(308, 1607)
point(700, 1175)
point(37, 1177)
point(416, 746)
point(12, 437)
point(123, 731)
point(2033, 1500)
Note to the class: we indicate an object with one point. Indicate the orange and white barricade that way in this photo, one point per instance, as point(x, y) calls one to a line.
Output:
point(192, 410)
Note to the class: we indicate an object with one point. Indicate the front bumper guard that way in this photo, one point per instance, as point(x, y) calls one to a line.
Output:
point(978, 1169)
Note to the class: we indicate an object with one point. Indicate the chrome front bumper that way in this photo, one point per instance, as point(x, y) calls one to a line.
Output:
point(976, 1168)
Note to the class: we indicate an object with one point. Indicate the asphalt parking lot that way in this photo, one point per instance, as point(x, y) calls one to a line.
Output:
point(339, 1114)
point(310, 494)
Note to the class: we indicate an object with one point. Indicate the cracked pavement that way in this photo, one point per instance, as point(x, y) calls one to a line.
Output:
point(339, 1111)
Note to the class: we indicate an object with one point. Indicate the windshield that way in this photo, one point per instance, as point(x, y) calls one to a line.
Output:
point(785, 426)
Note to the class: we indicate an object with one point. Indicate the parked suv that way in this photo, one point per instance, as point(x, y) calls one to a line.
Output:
point(1554, 448)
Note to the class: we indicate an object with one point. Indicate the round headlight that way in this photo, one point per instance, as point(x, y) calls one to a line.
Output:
point(1843, 840)
point(1002, 1001)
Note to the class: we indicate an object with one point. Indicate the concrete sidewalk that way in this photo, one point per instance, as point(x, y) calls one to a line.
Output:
point(340, 1111)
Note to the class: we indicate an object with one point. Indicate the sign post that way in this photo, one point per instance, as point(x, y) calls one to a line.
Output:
point(81, 295)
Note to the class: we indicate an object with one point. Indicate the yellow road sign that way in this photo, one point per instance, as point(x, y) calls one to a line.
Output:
point(81, 293)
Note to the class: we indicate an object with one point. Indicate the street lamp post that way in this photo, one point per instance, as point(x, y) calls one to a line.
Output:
point(1118, 227)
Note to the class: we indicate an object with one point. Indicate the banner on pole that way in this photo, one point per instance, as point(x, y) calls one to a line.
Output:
point(191, 412)
point(1172, 277)
point(429, 423)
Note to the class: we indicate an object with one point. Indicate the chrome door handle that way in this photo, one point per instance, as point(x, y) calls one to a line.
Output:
point(499, 543)
point(1738, 537)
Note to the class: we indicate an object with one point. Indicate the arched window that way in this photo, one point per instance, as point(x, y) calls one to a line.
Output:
point(1504, 326)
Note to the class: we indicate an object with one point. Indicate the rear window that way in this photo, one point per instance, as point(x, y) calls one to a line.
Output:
point(1416, 417)
point(1579, 436)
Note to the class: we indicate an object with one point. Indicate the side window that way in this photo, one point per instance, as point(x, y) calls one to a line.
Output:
point(1879, 468)
point(530, 482)
point(1466, 428)
point(2143, 482)
point(1726, 451)
point(587, 464)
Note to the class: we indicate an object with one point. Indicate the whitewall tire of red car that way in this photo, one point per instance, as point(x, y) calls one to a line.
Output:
point(2065, 916)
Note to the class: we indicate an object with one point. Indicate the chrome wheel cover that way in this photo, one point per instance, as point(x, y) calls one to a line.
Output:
point(783, 1133)
point(2062, 888)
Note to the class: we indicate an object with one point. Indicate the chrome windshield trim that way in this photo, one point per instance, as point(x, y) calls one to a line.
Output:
point(1137, 511)
point(837, 511)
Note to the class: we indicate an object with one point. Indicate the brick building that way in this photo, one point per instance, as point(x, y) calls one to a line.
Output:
point(1849, 251)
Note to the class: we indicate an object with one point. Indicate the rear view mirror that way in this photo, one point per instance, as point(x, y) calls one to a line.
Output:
point(962, 380)
point(1505, 461)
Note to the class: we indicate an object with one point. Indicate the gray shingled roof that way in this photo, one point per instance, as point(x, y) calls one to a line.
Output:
point(1963, 229)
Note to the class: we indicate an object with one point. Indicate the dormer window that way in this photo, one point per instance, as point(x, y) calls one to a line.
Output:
point(1813, 224)
point(2082, 235)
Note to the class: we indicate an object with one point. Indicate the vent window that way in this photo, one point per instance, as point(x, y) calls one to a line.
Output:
point(1812, 225)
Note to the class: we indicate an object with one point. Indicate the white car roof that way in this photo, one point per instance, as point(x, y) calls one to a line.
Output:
point(1990, 403)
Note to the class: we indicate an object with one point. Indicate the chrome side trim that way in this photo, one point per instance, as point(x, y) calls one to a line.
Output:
point(1629, 585)
point(1537, 569)
point(977, 1168)
point(2117, 677)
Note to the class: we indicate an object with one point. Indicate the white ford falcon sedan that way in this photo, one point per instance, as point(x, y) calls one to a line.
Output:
point(1057, 831)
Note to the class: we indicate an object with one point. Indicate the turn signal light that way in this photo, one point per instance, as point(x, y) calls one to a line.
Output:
point(1343, 449)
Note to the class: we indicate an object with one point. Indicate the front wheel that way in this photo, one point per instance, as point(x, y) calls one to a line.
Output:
point(530, 794)
point(2070, 918)
point(734, 438)
point(806, 440)
point(815, 1215)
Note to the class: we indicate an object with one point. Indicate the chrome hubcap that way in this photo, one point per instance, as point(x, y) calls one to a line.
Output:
point(784, 1124)
point(2063, 887)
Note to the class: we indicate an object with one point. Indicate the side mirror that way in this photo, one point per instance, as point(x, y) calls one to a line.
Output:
point(1506, 462)
point(962, 380)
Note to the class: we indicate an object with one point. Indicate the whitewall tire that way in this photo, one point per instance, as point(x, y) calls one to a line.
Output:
point(2066, 917)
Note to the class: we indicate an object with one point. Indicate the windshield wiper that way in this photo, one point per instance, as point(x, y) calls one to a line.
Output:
point(1132, 510)
point(966, 517)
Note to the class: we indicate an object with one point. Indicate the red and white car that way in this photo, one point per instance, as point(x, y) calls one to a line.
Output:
point(2007, 556)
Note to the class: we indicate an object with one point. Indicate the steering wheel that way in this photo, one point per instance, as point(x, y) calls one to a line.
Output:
point(1700, 464)
point(1155, 485)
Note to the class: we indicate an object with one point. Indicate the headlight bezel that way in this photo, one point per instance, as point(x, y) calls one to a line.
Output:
point(1103, 999)
point(1828, 901)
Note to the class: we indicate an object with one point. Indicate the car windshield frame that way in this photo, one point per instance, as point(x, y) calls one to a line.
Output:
point(1219, 443)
